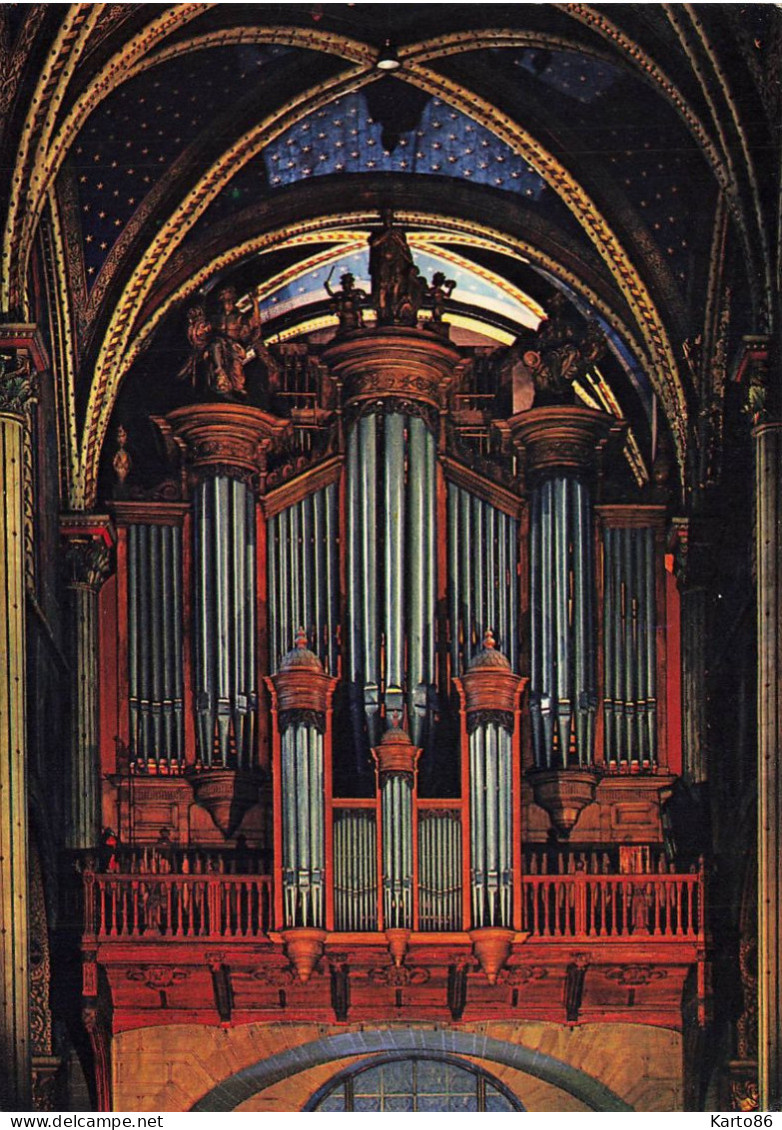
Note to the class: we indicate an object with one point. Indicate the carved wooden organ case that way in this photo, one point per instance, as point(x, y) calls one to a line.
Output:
point(401, 693)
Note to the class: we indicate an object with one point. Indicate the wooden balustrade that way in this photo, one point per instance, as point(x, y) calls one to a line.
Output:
point(613, 906)
point(177, 906)
point(575, 906)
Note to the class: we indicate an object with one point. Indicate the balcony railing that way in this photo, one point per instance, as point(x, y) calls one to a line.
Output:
point(211, 907)
point(208, 907)
point(613, 906)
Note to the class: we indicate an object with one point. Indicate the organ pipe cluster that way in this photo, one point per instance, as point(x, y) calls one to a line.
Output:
point(491, 694)
point(396, 758)
point(630, 649)
point(563, 679)
point(483, 563)
point(355, 869)
point(391, 530)
point(303, 575)
point(155, 675)
point(301, 696)
point(225, 626)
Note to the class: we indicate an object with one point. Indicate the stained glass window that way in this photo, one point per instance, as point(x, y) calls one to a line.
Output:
point(415, 1084)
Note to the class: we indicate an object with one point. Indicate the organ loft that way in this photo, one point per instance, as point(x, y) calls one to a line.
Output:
point(388, 717)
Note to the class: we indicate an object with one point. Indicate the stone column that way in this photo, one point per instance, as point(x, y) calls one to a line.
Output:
point(15, 394)
point(87, 558)
point(768, 549)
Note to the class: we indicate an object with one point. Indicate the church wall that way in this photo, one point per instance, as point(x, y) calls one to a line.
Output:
point(170, 1068)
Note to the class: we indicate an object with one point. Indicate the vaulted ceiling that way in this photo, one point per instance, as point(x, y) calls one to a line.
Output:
point(627, 154)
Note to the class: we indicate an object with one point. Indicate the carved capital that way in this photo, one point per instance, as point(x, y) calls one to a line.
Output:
point(17, 383)
point(88, 563)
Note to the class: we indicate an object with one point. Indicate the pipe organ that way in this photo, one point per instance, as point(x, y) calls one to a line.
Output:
point(391, 559)
point(630, 645)
point(154, 633)
point(383, 610)
point(225, 681)
point(483, 587)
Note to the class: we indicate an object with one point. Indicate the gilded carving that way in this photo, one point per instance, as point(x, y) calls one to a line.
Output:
point(88, 562)
point(398, 976)
point(17, 387)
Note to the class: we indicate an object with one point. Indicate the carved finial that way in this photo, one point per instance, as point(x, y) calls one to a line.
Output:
point(488, 640)
point(301, 639)
point(121, 462)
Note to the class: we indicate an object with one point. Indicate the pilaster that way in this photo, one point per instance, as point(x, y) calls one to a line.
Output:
point(89, 540)
point(16, 390)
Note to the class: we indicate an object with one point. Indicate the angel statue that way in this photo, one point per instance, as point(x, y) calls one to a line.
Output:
point(222, 345)
point(347, 303)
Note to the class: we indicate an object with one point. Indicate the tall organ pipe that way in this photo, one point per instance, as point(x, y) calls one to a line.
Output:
point(155, 672)
point(390, 492)
point(491, 693)
point(396, 758)
point(482, 595)
point(226, 696)
point(562, 616)
point(303, 576)
point(630, 705)
point(301, 696)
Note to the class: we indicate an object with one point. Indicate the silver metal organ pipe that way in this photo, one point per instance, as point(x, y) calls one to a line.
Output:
point(153, 629)
point(237, 613)
point(332, 573)
point(562, 629)
point(456, 583)
point(394, 556)
point(491, 796)
point(536, 631)
point(365, 593)
point(133, 634)
point(143, 650)
point(418, 564)
point(512, 649)
point(478, 825)
point(287, 627)
point(250, 635)
point(470, 634)
point(546, 621)
point(316, 578)
point(639, 646)
point(582, 642)
point(225, 622)
point(609, 659)
point(165, 534)
point(275, 611)
point(651, 645)
point(155, 645)
point(430, 552)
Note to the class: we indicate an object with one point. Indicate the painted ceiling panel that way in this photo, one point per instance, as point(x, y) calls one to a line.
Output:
point(615, 122)
point(135, 135)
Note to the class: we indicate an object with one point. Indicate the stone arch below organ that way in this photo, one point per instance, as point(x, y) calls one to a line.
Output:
point(341, 1051)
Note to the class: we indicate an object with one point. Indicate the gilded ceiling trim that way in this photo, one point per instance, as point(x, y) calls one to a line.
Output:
point(65, 372)
point(134, 59)
point(664, 372)
point(457, 42)
point(312, 39)
point(748, 161)
point(67, 35)
point(110, 363)
point(49, 158)
point(307, 231)
point(596, 20)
